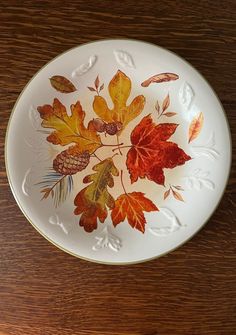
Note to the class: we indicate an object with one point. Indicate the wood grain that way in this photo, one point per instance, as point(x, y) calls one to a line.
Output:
point(45, 291)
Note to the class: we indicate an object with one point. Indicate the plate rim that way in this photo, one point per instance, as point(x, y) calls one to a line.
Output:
point(61, 247)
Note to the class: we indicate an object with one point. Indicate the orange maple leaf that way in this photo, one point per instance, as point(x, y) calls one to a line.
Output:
point(131, 206)
point(68, 129)
point(119, 90)
point(151, 153)
point(93, 200)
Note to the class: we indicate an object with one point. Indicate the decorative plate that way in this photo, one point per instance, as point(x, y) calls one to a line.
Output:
point(118, 151)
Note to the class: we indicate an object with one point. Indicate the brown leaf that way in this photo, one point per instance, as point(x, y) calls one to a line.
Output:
point(177, 195)
point(166, 194)
point(160, 78)
point(166, 103)
point(169, 114)
point(96, 82)
point(62, 84)
point(157, 107)
point(195, 127)
point(178, 188)
point(91, 89)
point(101, 88)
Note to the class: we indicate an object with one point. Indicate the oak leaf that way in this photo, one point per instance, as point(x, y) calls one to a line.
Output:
point(92, 201)
point(68, 129)
point(195, 127)
point(131, 206)
point(151, 152)
point(119, 90)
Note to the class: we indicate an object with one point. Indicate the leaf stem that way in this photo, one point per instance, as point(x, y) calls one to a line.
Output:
point(118, 143)
point(160, 114)
point(111, 145)
point(120, 147)
point(114, 155)
point(122, 182)
point(94, 155)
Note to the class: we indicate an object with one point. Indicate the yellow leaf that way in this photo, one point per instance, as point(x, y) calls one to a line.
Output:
point(93, 200)
point(119, 90)
point(68, 129)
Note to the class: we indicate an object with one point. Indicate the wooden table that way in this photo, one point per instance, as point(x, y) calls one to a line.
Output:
point(45, 291)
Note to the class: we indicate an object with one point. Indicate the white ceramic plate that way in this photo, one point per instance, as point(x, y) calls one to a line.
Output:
point(104, 203)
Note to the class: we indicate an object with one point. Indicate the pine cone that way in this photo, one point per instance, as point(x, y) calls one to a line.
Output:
point(68, 164)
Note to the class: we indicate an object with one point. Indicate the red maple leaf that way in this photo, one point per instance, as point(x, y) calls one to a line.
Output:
point(131, 206)
point(151, 153)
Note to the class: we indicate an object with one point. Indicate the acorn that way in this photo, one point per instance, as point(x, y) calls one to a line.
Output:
point(112, 128)
point(98, 125)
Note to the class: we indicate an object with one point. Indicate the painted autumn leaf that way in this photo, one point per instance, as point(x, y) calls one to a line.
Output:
point(166, 194)
point(160, 78)
point(62, 84)
point(96, 82)
point(151, 152)
point(92, 201)
point(68, 129)
point(157, 107)
point(119, 90)
point(177, 195)
point(195, 127)
point(166, 103)
point(131, 206)
point(170, 114)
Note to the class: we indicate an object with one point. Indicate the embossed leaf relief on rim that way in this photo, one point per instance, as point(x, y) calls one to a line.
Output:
point(172, 226)
point(199, 179)
point(206, 149)
point(124, 59)
point(85, 67)
point(107, 239)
